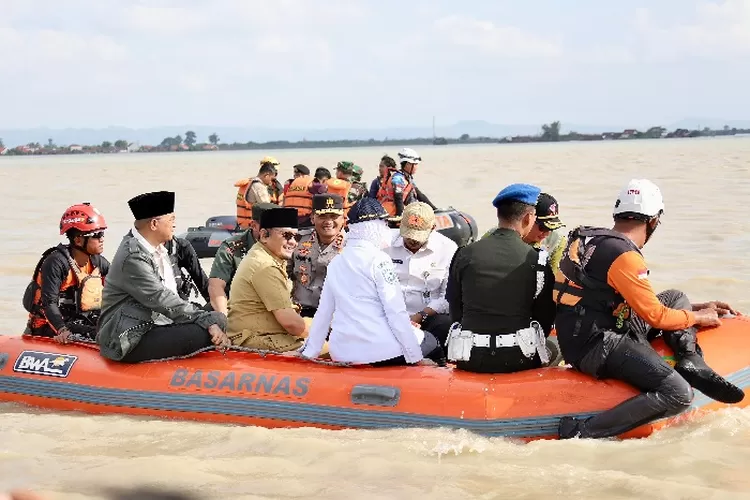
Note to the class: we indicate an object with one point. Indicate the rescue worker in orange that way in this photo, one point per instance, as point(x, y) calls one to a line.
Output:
point(299, 195)
point(255, 190)
point(342, 184)
point(299, 170)
point(65, 294)
point(399, 188)
point(386, 167)
point(607, 313)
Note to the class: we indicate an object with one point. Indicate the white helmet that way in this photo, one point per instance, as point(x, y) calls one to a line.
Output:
point(408, 155)
point(641, 197)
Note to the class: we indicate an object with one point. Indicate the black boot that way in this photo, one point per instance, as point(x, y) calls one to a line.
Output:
point(693, 368)
point(570, 427)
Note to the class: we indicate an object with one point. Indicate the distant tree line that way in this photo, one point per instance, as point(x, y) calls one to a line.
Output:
point(549, 132)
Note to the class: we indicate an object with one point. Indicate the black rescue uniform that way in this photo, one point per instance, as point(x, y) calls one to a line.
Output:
point(492, 289)
point(59, 296)
point(607, 313)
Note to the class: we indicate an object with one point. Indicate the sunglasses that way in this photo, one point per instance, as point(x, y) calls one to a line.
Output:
point(97, 236)
point(289, 236)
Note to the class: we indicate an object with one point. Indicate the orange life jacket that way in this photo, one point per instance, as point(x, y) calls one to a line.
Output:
point(299, 196)
point(80, 292)
point(386, 193)
point(341, 188)
point(244, 207)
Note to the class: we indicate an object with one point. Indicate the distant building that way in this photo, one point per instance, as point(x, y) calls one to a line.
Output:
point(75, 147)
point(3, 150)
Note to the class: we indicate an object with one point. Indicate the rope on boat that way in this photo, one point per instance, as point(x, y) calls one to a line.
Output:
point(84, 341)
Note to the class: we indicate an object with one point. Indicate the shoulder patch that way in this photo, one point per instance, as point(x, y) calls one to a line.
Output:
point(388, 271)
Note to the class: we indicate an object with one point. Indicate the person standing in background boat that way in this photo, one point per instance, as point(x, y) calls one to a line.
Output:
point(607, 314)
point(500, 293)
point(410, 160)
point(228, 257)
point(255, 190)
point(317, 247)
point(261, 312)
point(359, 188)
point(299, 197)
point(299, 171)
point(386, 167)
point(362, 303)
point(544, 234)
point(422, 258)
point(342, 184)
point(65, 292)
point(143, 317)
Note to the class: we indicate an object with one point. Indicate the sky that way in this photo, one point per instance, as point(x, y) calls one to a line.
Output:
point(370, 63)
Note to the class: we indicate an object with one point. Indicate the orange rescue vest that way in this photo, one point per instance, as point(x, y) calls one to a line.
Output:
point(386, 193)
point(341, 188)
point(244, 207)
point(81, 290)
point(299, 196)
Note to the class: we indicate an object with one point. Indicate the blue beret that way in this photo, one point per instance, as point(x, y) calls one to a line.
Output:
point(524, 193)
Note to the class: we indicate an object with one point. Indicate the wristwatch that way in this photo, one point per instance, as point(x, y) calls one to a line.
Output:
point(423, 315)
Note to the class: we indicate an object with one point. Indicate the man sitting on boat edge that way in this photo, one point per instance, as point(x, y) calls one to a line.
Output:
point(362, 303)
point(608, 312)
point(228, 257)
point(317, 247)
point(422, 258)
point(143, 317)
point(261, 313)
point(500, 293)
point(65, 293)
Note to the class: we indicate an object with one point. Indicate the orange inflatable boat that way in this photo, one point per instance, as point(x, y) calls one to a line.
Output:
point(274, 391)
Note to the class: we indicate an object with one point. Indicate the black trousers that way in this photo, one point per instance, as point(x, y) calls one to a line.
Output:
point(430, 350)
point(631, 359)
point(168, 341)
point(498, 360)
point(438, 325)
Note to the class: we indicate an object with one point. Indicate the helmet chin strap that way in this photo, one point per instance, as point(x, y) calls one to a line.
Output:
point(83, 248)
point(650, 229)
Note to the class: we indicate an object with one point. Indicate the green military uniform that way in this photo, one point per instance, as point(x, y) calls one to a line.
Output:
point(233, 249)
point(359, 189)
point(229, 255)
point(494, 290)
point(310, 260)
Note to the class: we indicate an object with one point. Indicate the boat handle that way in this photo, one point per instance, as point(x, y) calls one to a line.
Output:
point(3, 360)
point(376, 395)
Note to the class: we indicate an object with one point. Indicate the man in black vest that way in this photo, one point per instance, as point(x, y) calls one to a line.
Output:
point(500, 293)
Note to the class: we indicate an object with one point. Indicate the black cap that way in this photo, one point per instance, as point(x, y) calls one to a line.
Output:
point(279, 217)
point(547, 212)
point(328, 204)
point(148, 205)
point(259, 208)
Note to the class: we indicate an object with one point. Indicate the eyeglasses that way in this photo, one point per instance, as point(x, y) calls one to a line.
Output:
point(97, 236)
point(290, 235)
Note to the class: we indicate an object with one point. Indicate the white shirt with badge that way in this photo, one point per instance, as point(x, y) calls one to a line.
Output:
point(423, 275)
point(161, 257)
point(364, 306)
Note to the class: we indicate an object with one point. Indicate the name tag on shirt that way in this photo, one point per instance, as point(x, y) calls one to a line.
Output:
point(397, 261)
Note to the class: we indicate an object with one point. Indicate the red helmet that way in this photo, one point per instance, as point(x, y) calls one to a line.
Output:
point(82, 217)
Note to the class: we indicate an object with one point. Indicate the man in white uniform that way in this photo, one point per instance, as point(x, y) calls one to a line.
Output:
point(422, 258)
point(362, 302)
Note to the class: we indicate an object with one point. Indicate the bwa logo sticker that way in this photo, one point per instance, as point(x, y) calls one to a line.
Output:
point(44, 363)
